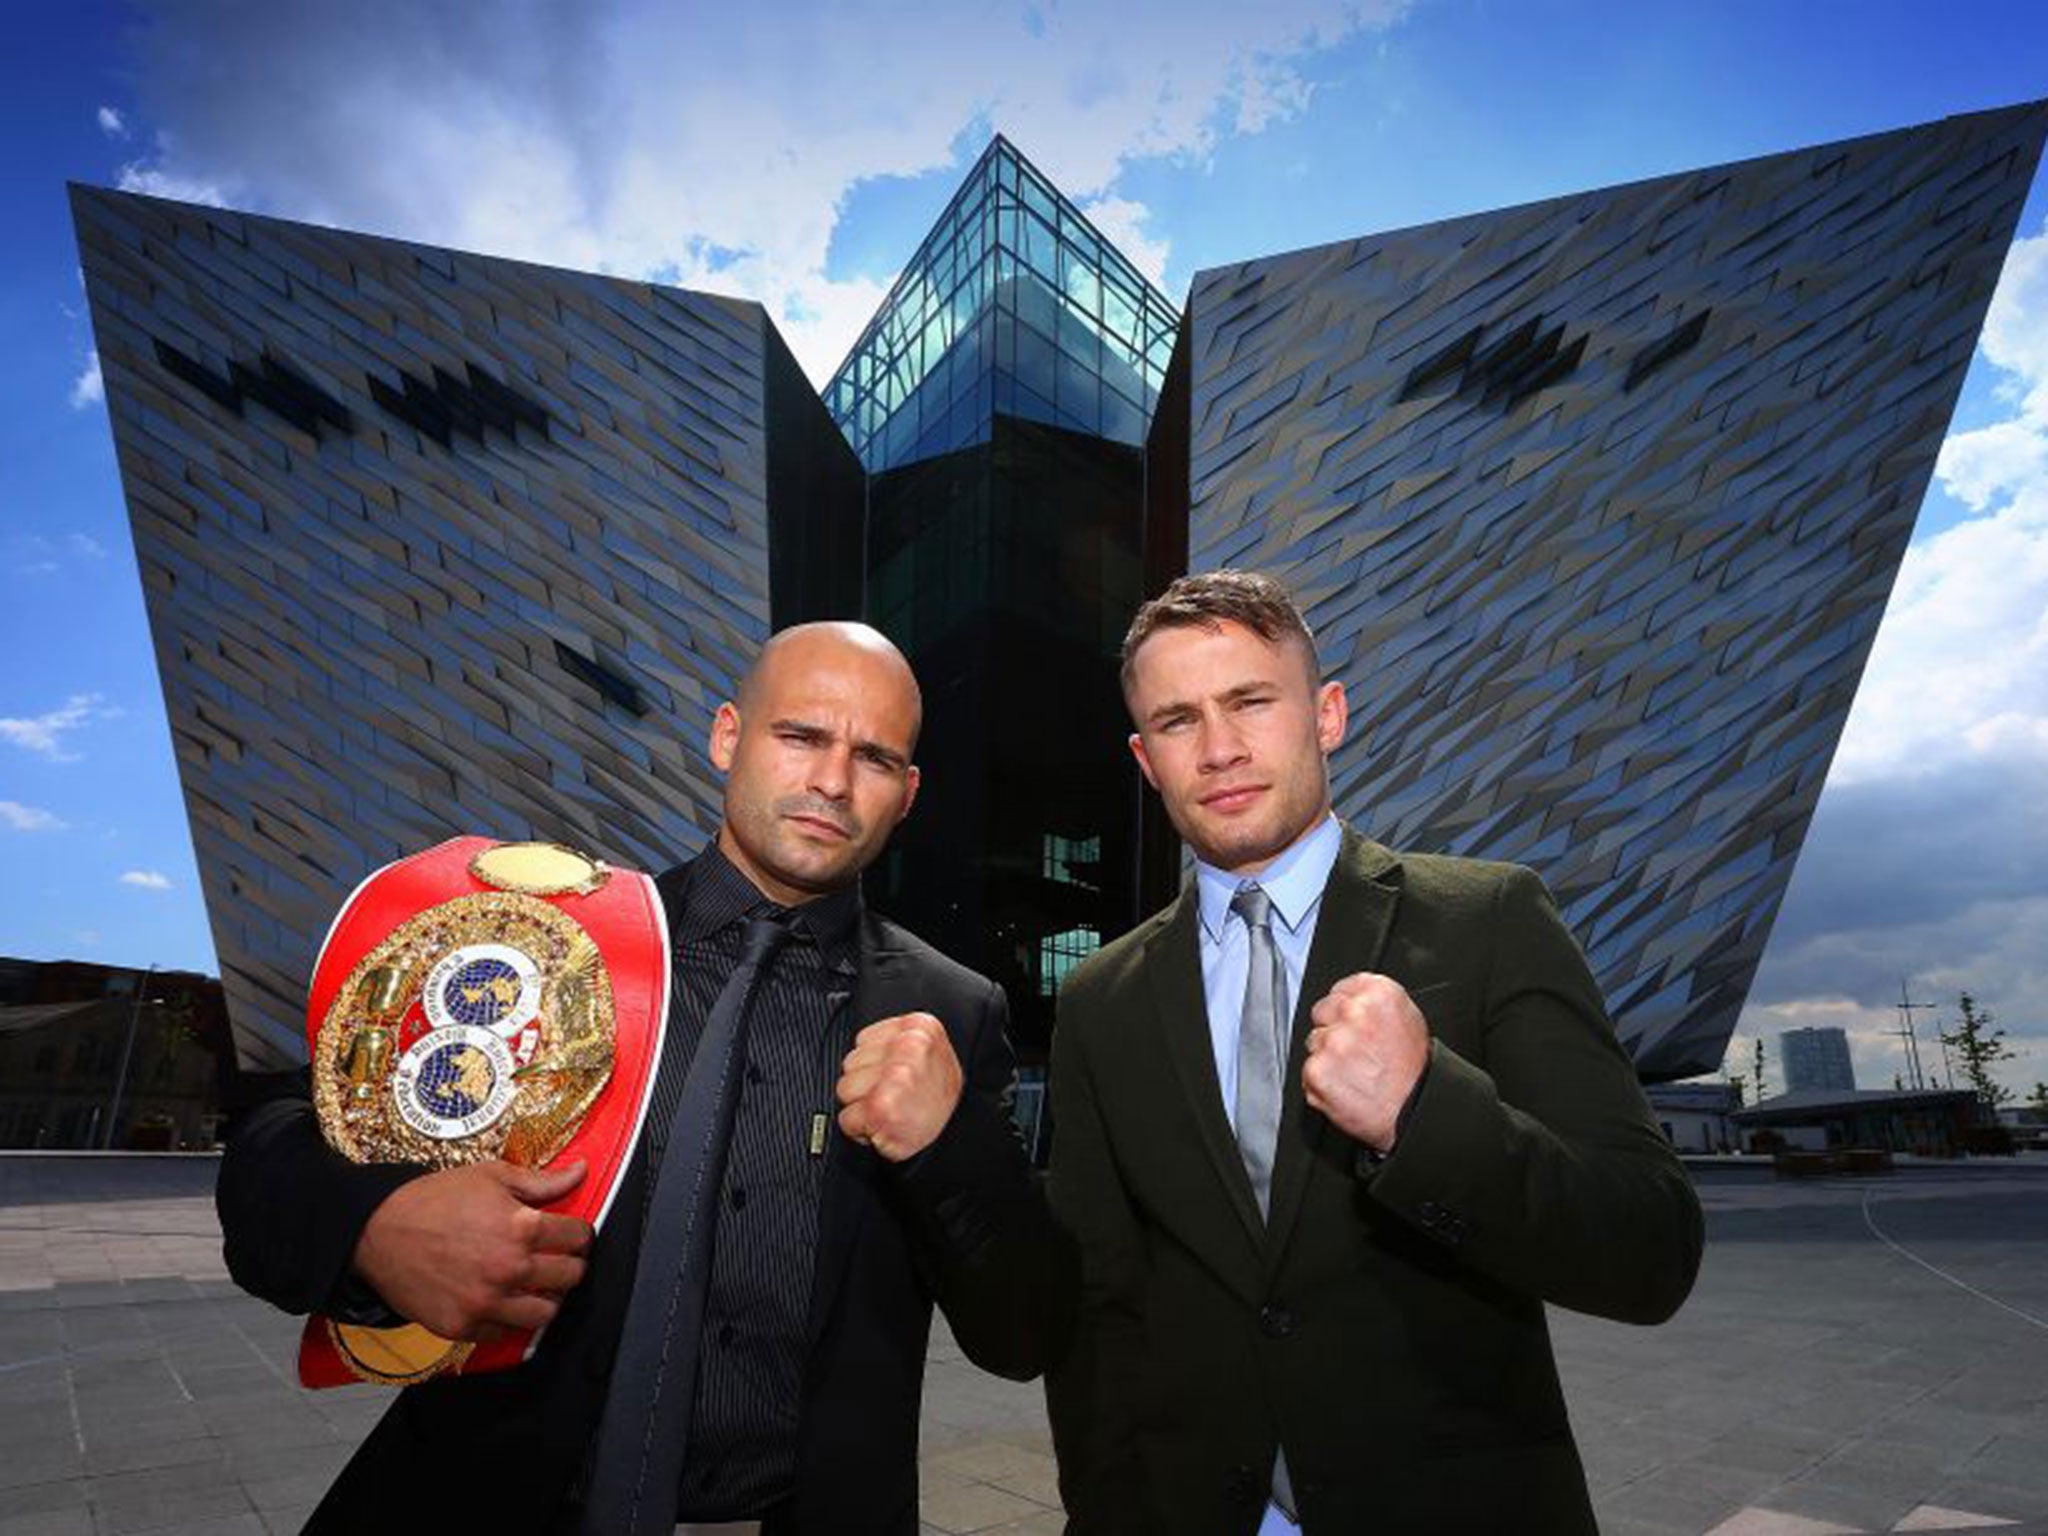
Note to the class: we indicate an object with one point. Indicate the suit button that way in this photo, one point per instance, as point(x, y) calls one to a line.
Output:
point(1276, 1322)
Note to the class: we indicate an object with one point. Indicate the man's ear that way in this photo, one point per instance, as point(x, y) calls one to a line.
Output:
point(911, 779)
point(1332, 714)
point(1144, 763)
point(725, 736)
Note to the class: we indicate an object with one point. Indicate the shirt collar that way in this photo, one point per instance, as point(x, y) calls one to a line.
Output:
point(1294, 880)
point(718, 895)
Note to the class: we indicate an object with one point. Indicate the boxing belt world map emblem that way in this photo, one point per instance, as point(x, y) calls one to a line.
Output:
point(483, 1000)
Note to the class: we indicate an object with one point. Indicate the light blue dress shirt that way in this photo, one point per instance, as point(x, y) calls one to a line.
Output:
point(1295, 883)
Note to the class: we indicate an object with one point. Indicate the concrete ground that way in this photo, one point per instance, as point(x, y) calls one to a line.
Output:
point(1859, 1356)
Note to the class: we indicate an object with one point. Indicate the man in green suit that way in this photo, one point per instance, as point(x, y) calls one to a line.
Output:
point(1332, 1128)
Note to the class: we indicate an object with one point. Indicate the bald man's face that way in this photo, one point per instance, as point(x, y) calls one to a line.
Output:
point(817, 764)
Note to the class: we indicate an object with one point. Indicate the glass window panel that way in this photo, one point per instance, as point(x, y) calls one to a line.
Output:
point(1039, 198)
point(1036, 305)
point(1037, 249)
point(1083, 288)
point(1036, 365)
point(1078, 391)
point(1006, 343)
point(1122, 422)
point(1033, 406)
point(1119, 314)
point(1081, 239)
point(1077, 339)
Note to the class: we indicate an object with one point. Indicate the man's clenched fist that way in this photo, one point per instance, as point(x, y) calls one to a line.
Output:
point(899, 1085)
point(468, 1253)
point(1367, 1045)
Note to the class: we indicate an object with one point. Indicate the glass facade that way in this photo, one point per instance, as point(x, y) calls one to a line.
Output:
point(1015, 305)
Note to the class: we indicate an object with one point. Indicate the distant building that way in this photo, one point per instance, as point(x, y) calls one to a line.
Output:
point(110, 1056)
point(1928, 1122)
point(1816, 1060)
point(1694, 1116)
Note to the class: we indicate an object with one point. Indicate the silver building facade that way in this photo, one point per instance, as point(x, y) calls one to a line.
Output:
point(431, 544)
point(1594, 506)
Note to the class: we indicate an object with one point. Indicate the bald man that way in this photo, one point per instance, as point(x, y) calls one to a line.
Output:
point(872, 1169)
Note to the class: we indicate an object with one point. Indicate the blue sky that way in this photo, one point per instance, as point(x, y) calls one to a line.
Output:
point(796, 153)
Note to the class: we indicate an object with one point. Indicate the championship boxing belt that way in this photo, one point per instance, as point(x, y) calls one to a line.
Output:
point(483, 1000)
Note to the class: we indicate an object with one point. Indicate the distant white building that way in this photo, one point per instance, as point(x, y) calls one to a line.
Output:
point(1816, 1060)
point(1694, 1116)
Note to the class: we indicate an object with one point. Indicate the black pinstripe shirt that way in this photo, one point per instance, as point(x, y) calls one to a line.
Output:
point(750, 1376)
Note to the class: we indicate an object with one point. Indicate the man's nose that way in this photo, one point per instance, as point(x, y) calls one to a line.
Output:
point(1222, 744)
point(832, 773)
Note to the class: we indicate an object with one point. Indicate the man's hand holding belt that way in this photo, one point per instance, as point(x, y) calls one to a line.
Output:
point(468, 1252)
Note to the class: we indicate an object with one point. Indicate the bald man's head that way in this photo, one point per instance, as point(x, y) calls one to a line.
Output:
point(816, 750)
point(840, 640)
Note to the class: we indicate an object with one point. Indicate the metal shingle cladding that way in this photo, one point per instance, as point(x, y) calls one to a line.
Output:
point(356, 628)
point(1594, 505)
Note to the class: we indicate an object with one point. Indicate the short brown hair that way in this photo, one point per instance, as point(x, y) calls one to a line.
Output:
point(1206, 600)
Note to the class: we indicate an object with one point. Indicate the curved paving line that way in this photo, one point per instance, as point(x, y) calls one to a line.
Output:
point(1934, 1269)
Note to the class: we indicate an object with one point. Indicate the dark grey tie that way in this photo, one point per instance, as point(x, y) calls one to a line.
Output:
point(1262, 1042)
point(643, 1434)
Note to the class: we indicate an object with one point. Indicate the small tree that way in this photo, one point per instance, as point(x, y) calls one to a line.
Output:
point(1734, 1081)
point(1979, 1046)
point(2038, 1100)
point(1757, 1070)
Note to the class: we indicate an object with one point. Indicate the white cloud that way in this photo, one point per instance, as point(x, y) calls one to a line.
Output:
point(112, 124)
point(623, 138)
point(1959, 670)
point(152, 181)
point(1122, 222)
point(148, 879)
point(85, 544)
point(45, 734)
point(16, 817)
point(1927, 859)
point(88, 388)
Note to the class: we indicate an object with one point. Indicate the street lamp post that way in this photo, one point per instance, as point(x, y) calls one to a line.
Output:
point(127, 1053)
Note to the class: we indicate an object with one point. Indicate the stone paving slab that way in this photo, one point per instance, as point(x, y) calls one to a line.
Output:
point(1858, 1357)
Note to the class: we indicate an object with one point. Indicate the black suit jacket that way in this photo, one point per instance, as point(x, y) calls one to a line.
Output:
point(1387, 1326)
point(963, 1224)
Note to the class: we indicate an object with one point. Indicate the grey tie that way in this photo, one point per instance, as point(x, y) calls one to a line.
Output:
point(1262, 1042)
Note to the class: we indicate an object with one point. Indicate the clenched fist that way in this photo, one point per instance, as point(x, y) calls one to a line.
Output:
point(1367, 1045)
point(899, 1085)
point(467, 1252)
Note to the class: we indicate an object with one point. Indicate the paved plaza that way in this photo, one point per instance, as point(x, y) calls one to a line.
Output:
point(1859, 1356)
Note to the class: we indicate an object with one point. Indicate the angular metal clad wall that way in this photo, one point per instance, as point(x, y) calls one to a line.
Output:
point(1594, 505)
point(431, 543)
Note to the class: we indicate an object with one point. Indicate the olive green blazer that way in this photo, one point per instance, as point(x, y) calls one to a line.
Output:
point(1386, 1325)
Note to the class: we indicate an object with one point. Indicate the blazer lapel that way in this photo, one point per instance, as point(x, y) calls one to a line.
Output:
point(1351, 931)
point(850, 1169)
point(1173, 965)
